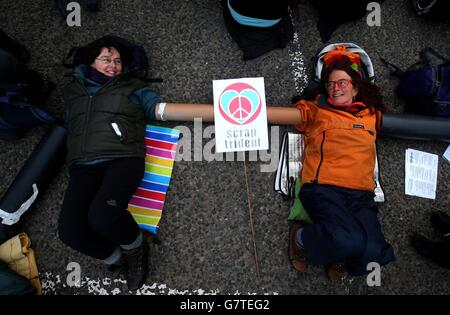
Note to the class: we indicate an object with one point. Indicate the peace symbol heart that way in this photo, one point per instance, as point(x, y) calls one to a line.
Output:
point(240, 104)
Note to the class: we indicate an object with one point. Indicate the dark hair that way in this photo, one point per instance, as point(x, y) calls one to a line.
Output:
point(95, 50)
point(368, 92)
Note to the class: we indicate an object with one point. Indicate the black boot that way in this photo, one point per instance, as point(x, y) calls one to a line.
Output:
point(438, 252)
point(136, 265)
point(441, 221)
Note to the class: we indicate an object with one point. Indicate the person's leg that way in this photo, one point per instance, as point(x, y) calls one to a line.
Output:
point(109, 217)
point(73, 227)
point(365, 211)
point(335, 235)
point(296, 251)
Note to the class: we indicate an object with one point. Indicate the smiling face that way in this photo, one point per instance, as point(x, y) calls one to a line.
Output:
point(340, 88)
point(108, 62)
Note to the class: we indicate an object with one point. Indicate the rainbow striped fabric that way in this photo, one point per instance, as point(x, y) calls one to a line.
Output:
point(146, 205)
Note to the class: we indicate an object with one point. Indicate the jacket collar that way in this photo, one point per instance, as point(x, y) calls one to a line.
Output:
point(81, 71)
point(323, 102)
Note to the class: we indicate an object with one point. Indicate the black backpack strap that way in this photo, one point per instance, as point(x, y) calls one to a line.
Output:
point(394, 70)
point(425, 61)
point(427, 52)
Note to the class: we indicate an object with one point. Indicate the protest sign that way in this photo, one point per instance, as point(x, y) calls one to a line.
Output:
point(240, 115)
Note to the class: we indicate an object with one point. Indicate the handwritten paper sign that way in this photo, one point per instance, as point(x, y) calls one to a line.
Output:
point(240, 115)
point(421, 174)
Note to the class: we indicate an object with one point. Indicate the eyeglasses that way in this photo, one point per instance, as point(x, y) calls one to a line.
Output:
point(107, 61)
point(342, 84)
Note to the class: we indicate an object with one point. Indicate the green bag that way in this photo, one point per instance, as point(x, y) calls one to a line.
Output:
point(298, 213)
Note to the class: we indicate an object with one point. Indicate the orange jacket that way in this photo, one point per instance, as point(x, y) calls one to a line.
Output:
point(339, 146)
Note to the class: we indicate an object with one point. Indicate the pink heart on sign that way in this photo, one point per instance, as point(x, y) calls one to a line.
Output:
point(240, 103)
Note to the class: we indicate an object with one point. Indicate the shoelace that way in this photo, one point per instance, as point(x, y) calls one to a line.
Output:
point(135, 261)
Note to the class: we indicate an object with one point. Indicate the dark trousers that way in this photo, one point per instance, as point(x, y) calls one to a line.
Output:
point(346, 228)
point(94, 218)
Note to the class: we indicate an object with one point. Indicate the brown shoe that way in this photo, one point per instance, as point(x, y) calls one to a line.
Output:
point(297, 255)
point(336, 271)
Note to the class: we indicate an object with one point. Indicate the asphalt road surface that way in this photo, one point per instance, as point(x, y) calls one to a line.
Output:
point(206, 237)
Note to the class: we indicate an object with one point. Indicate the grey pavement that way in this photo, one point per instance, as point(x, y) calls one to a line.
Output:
point(206, 237)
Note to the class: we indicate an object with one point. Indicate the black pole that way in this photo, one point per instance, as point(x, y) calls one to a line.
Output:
point(42, 165)
point(416, 127)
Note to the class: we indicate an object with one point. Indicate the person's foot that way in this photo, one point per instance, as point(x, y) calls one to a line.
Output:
point(438, 252)
point(136, 265)
point(441, 221)
point(297, 254)
point(336, 271)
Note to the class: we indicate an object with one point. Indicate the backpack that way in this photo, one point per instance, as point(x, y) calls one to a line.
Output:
point(16, 116)
point(423, 86)
point(134, 56)
point(313, 88)
point(22, 90)
point(257, 41)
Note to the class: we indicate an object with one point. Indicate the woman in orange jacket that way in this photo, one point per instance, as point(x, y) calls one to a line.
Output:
point(340, 129)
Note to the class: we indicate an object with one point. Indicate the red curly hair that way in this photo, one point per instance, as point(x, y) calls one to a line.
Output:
point(368, 92)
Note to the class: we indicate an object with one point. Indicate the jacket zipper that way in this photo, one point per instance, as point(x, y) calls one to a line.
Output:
point(83, 146)
point(83, 143)
point(316, 179)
